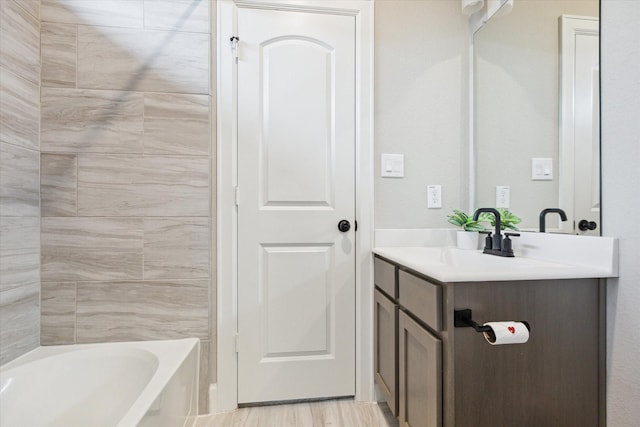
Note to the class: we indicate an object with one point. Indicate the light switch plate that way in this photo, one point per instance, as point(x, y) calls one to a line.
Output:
point(434, 196)
point(392, 165)
point(503, 196)
point(541, 169)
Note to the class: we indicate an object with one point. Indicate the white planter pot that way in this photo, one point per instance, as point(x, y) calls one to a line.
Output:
point(467, 240)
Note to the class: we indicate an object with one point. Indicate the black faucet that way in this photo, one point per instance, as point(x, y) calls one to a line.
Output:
point(496, 245)
point(563, 216)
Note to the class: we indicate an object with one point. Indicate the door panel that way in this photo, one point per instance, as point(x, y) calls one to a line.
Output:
point(296, 179)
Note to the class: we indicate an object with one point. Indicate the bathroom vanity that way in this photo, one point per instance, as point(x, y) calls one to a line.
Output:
point(434, 374)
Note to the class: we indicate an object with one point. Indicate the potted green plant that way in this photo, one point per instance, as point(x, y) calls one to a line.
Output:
point(467, 238)
point(507, 220)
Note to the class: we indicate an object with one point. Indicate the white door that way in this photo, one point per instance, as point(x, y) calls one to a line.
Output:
point(296, 180)
point(580, 125)
point(587, 135)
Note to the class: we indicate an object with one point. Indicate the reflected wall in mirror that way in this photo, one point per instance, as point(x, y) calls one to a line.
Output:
point(519, 114)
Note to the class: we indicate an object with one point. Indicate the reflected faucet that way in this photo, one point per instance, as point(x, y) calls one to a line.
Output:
point(563, 216)
point(496, 245)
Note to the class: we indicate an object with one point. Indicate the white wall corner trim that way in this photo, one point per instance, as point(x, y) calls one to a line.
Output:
point(223, 394)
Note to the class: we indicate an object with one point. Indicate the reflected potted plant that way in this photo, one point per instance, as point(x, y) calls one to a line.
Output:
point(467, 238)
point(507, 220)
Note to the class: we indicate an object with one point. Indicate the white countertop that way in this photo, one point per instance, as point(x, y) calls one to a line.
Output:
point(538, 256)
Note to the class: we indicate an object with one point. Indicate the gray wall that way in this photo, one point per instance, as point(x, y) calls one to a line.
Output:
point(421, 53)
point(126, 172)
point(621, 202)
point(19, 177)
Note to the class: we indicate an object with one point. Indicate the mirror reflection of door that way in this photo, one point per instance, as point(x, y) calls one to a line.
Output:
point(580, 124)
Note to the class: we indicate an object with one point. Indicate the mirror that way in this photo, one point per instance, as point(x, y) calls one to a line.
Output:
point(536, 113)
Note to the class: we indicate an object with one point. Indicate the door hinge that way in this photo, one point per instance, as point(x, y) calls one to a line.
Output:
point(356, 225)
point(237, 196)
point(236, 342)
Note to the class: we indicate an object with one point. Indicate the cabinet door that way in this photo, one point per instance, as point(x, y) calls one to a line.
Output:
point(386, 349)
point(420, 375)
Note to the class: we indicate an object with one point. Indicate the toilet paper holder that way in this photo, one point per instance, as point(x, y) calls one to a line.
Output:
point(463, 318)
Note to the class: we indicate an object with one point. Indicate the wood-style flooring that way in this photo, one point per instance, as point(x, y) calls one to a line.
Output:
point(334, 413)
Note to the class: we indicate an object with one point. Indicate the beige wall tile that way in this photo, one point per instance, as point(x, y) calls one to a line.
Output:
point(176, 124)
point(19, 252)
point(19, 41)
point(19, 110)
point(152, 61)
point(204, 381)
point(20, 320)
point(58, 47)
point(176, 248)
point(115, 13)
point(143, 185)
point(58, 184)
point(122, 311)
point(178, 15)
point(31, 6)
point(19, 181)
point(76, 120)
point(91, 249)
point(57, 313)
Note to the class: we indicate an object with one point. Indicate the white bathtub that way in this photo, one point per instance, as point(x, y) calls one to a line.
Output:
point(150, 383)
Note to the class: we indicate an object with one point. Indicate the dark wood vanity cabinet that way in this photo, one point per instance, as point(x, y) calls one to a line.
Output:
point(452, 377)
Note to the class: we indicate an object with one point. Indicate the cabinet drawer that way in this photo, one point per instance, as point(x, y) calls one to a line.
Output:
point(422, 298)
point(385, 277)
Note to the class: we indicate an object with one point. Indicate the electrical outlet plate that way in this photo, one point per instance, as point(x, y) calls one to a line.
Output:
point(503, 196)
point(434, 196)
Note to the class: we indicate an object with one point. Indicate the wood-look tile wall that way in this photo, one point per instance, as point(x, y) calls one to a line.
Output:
point(126, 172)
point(19, 177)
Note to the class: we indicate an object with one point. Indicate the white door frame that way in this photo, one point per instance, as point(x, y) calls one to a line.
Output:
point(224, 394)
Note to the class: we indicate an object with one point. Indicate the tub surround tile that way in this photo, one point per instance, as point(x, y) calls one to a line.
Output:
point(57, 313)
point(204, 381)
point(19, 110)
point(176, 248)
point(19, 41)
point(176, 124)
point(19, 252)
point(31, 6)
point(116, 13)
point(77, 120)
point(143, 186)
point(149, 310)
point(177, 15)
point(153, 61)
point(19, 308)
point(91, 249)
point(58, 184)
point(19, 178)
point(58, 47)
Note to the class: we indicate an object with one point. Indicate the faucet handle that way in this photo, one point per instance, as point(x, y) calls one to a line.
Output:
point(488, 241)
point(512, 234)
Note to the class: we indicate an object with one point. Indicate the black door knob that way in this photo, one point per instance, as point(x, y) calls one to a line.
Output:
point(585, 225)
point(344, 225)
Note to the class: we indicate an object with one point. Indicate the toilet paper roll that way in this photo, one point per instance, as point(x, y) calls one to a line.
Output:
point(506, 333)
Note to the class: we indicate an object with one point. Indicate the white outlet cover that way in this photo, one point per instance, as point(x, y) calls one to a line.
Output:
point(434, 196)
point(503, 196)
